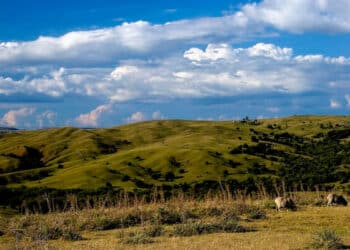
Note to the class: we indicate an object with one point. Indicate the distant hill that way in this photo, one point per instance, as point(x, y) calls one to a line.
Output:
point(308, 150)
point(7, 129)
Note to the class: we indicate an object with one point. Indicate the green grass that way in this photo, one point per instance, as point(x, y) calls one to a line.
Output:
point(88, 159)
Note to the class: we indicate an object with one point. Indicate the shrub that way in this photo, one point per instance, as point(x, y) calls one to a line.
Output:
point(213, 211)
point(169, 176)
point(230, 226)
point(197, 228)
point(48, 232)
point(71, 235)
point(193, 228)
point(137, 238)
point(256, 213)
point(327, 239)
point(173, 162)
point(154, 231)
point(229, 214)
point(166, 215)
point(102, 223)
point(130, 220)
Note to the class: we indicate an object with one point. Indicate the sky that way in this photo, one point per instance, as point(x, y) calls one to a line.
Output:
point(106, 63)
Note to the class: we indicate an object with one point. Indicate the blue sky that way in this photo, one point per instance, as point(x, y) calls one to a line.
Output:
point(104, 63)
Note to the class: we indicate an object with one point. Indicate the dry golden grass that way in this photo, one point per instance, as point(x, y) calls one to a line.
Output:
point(280, 230)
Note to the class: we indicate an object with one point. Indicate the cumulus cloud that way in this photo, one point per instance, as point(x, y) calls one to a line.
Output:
point(347, 98)
point(301, 16)
point(212, 52)
point(128, 40)
point(218, 70)
point(46, 119)
point(273, 109)
point(14, 117)
point(157, 115)
point(92, 118)
point(334, 104)
point(136, 117)
point(52, 84)
point(141, 39)
point(270, 50)
point(119, 72)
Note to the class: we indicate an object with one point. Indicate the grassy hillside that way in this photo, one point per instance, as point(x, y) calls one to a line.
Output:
point(175, 152)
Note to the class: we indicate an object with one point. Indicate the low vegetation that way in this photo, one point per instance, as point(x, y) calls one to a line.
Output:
point(240, 220)
point(327, 239)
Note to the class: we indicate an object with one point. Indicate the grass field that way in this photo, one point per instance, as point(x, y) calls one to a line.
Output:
point(155, 152)
point(269, 230)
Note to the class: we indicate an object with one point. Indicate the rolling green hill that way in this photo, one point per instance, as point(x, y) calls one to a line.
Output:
point(311, 149)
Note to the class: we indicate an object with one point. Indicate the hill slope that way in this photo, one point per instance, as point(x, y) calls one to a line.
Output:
point(304, 148)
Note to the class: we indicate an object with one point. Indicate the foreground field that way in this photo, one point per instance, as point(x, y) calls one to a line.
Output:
point(285, 230)
point(264, 227)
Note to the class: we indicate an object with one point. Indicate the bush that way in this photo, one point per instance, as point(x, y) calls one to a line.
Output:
point(194, 228)
point(166, 215)
point(137, 238)
point(71, 235)
point(230, 226)
point(154, 231)
point(326, 239)
point(169, 176)
point(102, 223)
point(256, 213)
point(130, 220)
point(48, 232)
point(197, 228)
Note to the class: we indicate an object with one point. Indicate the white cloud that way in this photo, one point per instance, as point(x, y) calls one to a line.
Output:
point(270, 50)
point(119, 72)
point(92, 118)
point(258, 69)
point(183, 75)
point(125, 41)
point(157, 115)
point(334, 104)
point(140, 39)
point(347, 98)
point(13, 118)
point(136, 117)
point(301, 15)
point(46, 119)
point(273, 109)
point(52, 85)
point(212, 52)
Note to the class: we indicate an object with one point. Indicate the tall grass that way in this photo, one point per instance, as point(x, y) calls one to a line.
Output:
point(180, 215)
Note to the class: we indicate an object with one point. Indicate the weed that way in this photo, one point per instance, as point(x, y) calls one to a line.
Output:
point(197, 228)
point(166, 215)
point(137, 238)
point(326, 239)
point(256, 213)
point(154, 231)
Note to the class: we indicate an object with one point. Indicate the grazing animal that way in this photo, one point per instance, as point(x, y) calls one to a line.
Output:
point(334, 199)
point(285, 202)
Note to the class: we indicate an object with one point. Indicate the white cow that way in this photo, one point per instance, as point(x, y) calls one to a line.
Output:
point(285, 202)
point(334, 199)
